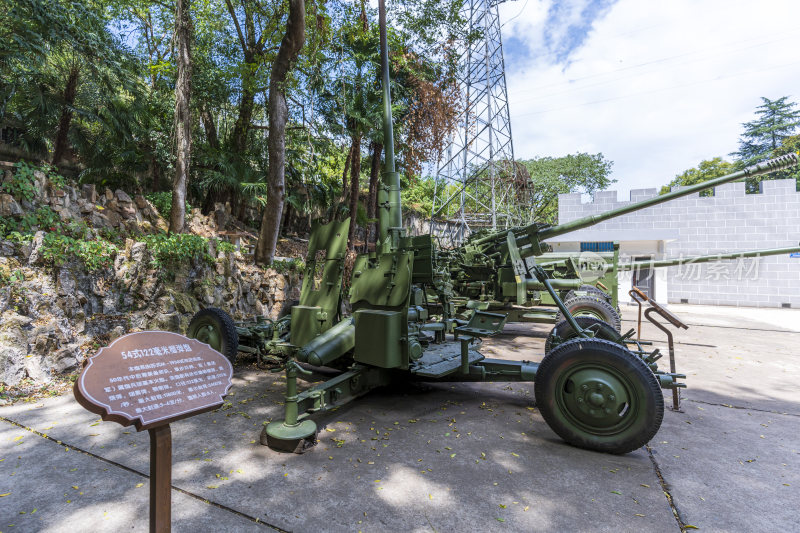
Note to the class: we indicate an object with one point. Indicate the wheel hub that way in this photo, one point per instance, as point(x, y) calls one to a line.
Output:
point(595, 397)
point(208, 334)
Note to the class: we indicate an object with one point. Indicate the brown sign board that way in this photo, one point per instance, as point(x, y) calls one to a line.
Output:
point(152, 378)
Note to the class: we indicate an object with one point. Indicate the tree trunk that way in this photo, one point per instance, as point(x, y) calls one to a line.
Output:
point(355, 172)
point(183, 118)
point(372, 200)
point(242, 205)
point(209, 127)
point(290, 46)
point(286, 225)
point(212, 195)
point(347, 161)
point(155, 170)
point(60, 143)
point(252, 55)
point(246, 105)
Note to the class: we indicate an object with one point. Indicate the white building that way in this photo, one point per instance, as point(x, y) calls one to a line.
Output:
point(728, 221)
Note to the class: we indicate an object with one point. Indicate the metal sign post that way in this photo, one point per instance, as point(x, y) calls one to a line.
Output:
point(150, 379)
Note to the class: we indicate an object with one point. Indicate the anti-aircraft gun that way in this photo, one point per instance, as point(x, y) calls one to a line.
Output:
point(482, 273)
point(599, 275)
point(595, 388)
point(272, 342)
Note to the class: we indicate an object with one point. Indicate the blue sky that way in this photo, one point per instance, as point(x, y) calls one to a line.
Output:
point(566, 27)
point(655, 86)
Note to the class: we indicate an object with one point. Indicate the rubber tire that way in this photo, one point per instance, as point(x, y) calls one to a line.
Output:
point(223, 323)
point(646, 407)
point(592, 290)
point(591, 306)
point(599, 293)
point(564, 330)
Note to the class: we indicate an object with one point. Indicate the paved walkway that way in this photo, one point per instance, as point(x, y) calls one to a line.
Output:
point(462, 457)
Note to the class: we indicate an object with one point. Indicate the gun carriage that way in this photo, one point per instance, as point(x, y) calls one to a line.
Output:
point(587, 283)
point(595, 388)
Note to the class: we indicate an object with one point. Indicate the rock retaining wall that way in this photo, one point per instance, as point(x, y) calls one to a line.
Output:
point(51, 318)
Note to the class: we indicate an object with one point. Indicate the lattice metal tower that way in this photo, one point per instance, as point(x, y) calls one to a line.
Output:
point(478, 185)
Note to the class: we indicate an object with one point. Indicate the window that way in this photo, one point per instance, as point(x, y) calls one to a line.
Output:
point(597, 247)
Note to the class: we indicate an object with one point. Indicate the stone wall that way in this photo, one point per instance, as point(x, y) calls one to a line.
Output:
point(728, 221)
point(51, 318)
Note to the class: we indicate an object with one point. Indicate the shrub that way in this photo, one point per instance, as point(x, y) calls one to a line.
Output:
point(57, 249)
point(162, 201)
point(22, 185)
point(282, 266)
point(177, 249)
point(43, 218)
point(224, 246)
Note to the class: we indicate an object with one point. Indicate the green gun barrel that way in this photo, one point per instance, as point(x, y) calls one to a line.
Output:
point(529, 237)
point(329, 346)
point(390, 217)
point(767, 167)
point(706, 258)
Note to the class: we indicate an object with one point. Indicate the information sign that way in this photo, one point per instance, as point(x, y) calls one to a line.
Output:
point(149, 379)
point(152, 378)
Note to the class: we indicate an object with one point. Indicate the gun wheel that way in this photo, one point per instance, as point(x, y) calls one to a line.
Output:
point(593, 307)
point(562, 332)
point(589, 290)
point(216, 328)
point(596, 395)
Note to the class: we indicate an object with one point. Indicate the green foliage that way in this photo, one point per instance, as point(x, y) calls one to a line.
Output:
point(43, 218)
point(224, 246)
point(22, 185)
point(79, 229)
point(418, 195)
point(58, 181)
point(162, 201)
point(177, 249)
point(706, 170)
point(121, 127)
point(96, 254)
point(62, 241)
point(283, 266)
point(770, 135)
point(19, 238)
point(8, 277)
point(763, 138)
point(776, 120)
point(791, 145)
point(551, 176)
point(44, 44)
point(112, 235)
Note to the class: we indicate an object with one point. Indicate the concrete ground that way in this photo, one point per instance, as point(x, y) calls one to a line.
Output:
point(441, 457)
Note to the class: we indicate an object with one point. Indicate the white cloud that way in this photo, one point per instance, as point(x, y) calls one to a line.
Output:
point(655, 86)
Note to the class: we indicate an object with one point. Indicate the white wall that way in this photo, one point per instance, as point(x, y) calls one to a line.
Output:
point(729, 221)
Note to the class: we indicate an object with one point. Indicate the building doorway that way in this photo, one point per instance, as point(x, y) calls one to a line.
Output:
point(644, 277)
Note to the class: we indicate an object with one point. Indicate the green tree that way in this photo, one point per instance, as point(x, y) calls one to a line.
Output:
point(551, 176)
point(92, 86)
point(290, 46)
point(776, 120)
point(791, 145)
point(183, 116)
point(706, 170)
point(60, 68)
